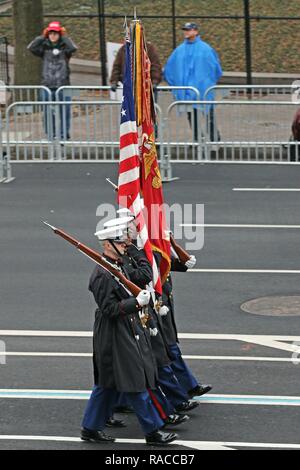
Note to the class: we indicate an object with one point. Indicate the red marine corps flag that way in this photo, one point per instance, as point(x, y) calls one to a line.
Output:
point(139, 175)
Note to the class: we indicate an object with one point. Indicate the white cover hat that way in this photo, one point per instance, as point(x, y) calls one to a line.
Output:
point(115, 233)
point(124, 212)
point(117, 222)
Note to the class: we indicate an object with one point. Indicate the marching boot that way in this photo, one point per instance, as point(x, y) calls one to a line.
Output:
point(115, 423)
point(199, 390)
point(174, 420)
point(186, 406)
point(95, 436)
point(160, 438)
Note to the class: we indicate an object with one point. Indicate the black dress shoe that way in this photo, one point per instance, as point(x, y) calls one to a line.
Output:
point(115, 423)
point(186, 406)
point(95, 436)
point(123, 409)
point(160, 438)
point(174, 420)
point(199, 390)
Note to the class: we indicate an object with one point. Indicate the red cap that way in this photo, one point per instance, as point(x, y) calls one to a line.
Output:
point(54, 26)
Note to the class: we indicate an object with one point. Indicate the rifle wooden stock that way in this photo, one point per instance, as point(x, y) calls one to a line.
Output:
point(180, 252)
point(99, 259)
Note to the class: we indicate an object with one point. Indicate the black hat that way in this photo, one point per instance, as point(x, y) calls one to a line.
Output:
point(189, 26)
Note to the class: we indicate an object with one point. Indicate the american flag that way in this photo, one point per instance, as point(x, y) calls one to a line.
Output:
point(129, 186)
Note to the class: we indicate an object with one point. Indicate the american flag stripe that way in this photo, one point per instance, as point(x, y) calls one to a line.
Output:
point(129, 176)
point(129, 167)
point(128, 151)
point(128, 127)
point(129, 138)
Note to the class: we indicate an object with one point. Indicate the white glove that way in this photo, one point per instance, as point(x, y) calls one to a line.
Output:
point(163, 311)
point(143, 298)
point(153, 331)
point(141, 315)
point(191, 262)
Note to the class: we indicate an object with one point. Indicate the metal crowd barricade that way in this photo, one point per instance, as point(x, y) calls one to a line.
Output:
point(10, 94)
point(93, 134)
point(244, 131)
point(90, 92)
point(164, 97)
point(84, 93)
point(37, 131)
point(27, 93)
point(84, 130)
point(240, 92)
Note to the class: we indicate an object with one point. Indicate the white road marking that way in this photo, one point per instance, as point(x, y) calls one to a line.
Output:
point(241, 358)
point(269, 341)
point(208, 336)
point(274, 342)
point(268, 189)
point(201, 445)
point(237, 337)
point(44, 354)
point(246, 271)
point(223, 399)
point(278, 345)
point(263, 446)
point(40, 333)
point(185, 356)
point(242, 226)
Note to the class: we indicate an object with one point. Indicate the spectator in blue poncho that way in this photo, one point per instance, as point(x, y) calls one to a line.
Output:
point(194, 63)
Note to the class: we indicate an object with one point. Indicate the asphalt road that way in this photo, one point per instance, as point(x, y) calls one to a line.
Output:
point(43, 287)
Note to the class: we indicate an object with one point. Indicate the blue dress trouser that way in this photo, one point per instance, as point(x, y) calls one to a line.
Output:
point(166, 405)
point(121, 400)
point(171, 387)
point(102, 401)
point(163, 401)
point(181, 370)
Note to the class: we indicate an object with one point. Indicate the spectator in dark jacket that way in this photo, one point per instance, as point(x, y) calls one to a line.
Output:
point(118, 67)
point(56, 50)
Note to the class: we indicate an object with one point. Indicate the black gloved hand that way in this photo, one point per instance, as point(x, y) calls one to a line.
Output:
point(114, 87)
point(154, 86)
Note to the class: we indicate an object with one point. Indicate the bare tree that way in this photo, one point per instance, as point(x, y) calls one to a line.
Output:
point(28, 23)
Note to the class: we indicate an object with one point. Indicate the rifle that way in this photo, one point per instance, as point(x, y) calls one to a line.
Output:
point(112, 184)
point(98, 259)
point(180, 252)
